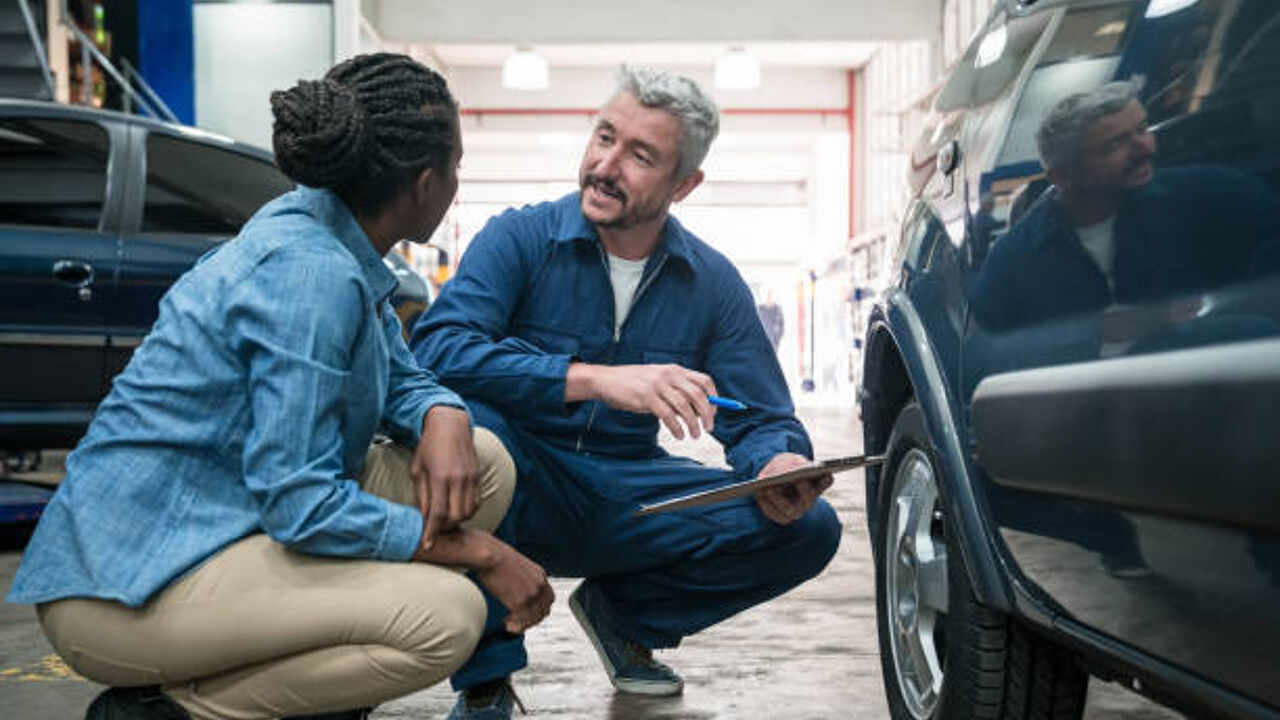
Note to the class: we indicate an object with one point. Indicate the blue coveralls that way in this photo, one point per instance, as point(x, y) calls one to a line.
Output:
point(533, 292)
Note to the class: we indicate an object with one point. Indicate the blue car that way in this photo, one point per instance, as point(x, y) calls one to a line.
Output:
point(1075, 374)
point(100, 212)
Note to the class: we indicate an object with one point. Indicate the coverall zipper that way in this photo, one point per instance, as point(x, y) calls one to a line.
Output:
point(617, 331)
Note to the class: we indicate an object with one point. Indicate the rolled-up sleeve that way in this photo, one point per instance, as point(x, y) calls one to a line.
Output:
point(298, 351)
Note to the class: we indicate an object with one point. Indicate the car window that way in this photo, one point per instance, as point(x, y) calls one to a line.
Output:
point(1166, 199)
point(52, 172)
point(1083, 54)
point(196, 188)
point(992, 62)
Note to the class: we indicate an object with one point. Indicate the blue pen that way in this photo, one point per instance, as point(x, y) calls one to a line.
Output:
point(725, 403)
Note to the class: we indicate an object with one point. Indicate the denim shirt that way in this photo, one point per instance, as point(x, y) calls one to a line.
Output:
point(248, 408)
point(532, 293)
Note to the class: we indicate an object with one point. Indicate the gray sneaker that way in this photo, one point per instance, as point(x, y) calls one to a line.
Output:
point(630, 665)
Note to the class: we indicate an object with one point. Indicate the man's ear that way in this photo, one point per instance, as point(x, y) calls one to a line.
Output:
point(1058, 178)
point(686, 186)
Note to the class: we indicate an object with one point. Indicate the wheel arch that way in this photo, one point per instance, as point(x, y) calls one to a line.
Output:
point(895, 371)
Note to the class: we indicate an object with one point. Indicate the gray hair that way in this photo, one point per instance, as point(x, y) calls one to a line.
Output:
point(1062, 131)
point(682, 99)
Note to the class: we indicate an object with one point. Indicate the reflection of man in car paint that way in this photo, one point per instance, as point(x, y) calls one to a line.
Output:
point(1113, 229)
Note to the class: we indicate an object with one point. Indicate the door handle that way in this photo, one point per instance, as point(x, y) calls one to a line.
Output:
point(77, 274)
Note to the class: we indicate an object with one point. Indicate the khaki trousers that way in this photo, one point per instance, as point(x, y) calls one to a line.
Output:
point(260, 631)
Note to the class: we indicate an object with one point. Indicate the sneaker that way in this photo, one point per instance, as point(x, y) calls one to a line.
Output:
point(134, 703)
point(630, 665)
point(490, 701)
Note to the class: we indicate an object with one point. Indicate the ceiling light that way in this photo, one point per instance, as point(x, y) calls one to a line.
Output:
point(524, 69)
point(736, 70)
point(1160, 8)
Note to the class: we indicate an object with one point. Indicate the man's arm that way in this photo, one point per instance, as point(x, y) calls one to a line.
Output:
point(676, 395)
point(463, 338)
point(745, 367)
point(766, 439)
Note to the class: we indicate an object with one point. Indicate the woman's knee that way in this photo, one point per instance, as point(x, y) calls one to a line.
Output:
point(449, 625)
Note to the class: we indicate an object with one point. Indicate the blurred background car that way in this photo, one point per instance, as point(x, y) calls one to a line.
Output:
point(1081, 473)
point(100, 212)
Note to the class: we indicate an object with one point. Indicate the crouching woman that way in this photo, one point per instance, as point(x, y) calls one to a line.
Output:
point(227, 543)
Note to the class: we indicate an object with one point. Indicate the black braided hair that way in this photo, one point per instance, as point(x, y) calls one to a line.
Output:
point(365, 131)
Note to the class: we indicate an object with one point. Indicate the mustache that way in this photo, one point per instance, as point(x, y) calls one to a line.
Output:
point(605, 186)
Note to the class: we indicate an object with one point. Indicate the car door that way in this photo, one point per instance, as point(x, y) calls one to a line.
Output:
point(57, 268)
point(199, 190)
point(1124, 419)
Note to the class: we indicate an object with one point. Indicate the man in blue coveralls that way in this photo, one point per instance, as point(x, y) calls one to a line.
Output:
point(574, 327)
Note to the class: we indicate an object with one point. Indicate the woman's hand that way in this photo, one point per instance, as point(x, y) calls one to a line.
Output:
point(446, 471)
point(519, 584)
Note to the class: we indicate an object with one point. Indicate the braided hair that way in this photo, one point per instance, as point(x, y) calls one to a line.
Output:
point(365, 131)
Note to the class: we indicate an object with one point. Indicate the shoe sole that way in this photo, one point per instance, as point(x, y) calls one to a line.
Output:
point(630, 687)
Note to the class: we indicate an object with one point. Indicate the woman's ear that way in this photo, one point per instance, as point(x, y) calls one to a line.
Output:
point(422, 186)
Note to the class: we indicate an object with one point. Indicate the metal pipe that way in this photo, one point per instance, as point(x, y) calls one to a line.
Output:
point(35, 40)
point(87, 49)
point(146, 89)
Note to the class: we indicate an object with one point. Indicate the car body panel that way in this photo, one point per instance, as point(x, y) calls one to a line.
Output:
point(1117, 458)
point(60, 343)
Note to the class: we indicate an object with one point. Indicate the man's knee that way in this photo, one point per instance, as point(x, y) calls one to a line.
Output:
point(818, 537)
point(497, 480)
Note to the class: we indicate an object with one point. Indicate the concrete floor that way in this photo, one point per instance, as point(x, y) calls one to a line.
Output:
point(810, 655)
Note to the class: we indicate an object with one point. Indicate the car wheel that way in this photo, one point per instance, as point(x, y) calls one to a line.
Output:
point(945, 655)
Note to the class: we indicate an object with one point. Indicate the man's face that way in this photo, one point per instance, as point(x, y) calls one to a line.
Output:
point(628, 170)
point(1116, 153)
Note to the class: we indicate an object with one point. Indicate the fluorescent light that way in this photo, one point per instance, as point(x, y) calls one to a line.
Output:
point(991, 47)
point(736, 70)
point(1160, 8)
point(525, 69)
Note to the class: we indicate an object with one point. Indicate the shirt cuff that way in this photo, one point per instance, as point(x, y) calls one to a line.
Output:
point(446, 398)
point(404, 533)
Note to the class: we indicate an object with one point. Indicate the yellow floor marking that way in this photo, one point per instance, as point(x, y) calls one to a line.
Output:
point(50, 667)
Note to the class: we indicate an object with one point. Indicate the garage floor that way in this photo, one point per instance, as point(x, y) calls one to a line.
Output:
point(810, 655)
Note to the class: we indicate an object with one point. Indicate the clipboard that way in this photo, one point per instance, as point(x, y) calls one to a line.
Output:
point(755, 485)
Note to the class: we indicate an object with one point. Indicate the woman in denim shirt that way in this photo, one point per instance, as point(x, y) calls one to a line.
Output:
point(226, 542)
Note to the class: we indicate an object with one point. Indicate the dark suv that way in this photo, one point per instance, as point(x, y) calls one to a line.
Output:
point(99, 213)
point(1075, 373)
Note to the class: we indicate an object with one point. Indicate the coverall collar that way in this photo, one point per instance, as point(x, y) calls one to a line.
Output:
point(575, 226)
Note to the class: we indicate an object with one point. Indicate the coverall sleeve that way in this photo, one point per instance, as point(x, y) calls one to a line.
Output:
point(745, 367)
point(298, 351)
point(411, 391)
point(463, 337)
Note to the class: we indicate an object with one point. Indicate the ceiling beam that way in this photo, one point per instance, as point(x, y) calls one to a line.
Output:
point(605, 21)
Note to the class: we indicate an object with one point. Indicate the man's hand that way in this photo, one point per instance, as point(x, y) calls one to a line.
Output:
point(677, 395)
point(784, 504)
point(446, 471)
point(519, 584)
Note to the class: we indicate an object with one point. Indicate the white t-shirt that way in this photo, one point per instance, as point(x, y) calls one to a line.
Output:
point(625, 276)
point(1099, 241)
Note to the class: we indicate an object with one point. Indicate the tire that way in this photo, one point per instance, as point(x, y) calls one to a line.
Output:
point(944, 655)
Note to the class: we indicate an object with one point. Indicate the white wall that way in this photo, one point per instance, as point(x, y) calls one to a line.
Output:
point(243, 51)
